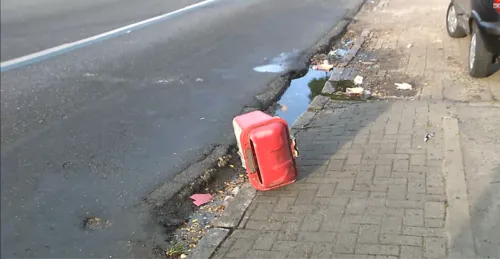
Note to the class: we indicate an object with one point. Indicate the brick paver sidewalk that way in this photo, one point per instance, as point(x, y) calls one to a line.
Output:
point(369, 185)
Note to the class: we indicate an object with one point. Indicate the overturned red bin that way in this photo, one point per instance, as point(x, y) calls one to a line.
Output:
point(266, 149)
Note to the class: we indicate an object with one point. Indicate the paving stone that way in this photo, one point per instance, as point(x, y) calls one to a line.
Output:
point(434, 210)
point(340, 227)
point(262, 211)
point(349, 256)
point(413, 175)
point(377, 249)
point(325, 190)
point(390, 181)
point(346, 243)
point(424, 232)
point(263, 225)
point(350, 194)
point(434, 180)
point(391, 225)
point(293, 247)
point(356, 206)
point(435, 248)
point(376, 201)
point(323, 250)
point(286, 217)
point(312, 222)
point(436, 190)
point(321, 236)
point(354, 159)
point(405, 204)
point(253, 254)
point(383, 170)
point(416, 185)
point(368, 234)
point(346, 184)
point(389, 239)
point(240, 248)
point(265, 240)
point(306, 197)
point(289, 231)
point(434, 223)
point(245, 233)
point(284, 204)
point(411, 252)
point(418, 159)
point(396, 192)
point(413, 217)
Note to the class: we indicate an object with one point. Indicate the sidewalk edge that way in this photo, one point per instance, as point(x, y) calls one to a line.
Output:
point(458, 219)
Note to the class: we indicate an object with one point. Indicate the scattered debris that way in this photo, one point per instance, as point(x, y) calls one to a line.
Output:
point(177, 249)
point(403, 86)
point(223, 160)
point(428, 135)
point(338, 53)
point(199, 79)
point(358, 80)
point(325, 66)
point(354, 91)
point(183, 256)
point(199, 223)
point(200, 199)
point(95, 223)
point(367, 94)
point(409, 45)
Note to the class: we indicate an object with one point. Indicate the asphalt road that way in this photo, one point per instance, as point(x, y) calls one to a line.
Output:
point(93, 131)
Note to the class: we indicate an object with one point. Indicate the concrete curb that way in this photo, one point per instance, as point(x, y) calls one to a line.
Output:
point(237, 208)
point(209, 243)
point(458, 219)
point(189, 179)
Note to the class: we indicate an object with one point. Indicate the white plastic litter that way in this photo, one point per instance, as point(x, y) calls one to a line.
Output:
point(403, 86)
point(354, 91)
point(358, 80)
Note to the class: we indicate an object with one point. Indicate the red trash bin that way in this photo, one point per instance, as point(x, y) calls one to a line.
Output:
point(266, 150)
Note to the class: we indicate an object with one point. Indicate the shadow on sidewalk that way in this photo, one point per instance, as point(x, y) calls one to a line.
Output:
point(485, 219)
point(334, 139)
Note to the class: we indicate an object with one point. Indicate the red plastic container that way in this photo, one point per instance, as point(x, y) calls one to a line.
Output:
point(266, 150)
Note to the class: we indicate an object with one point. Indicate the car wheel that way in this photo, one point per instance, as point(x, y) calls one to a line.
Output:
point(479, 58)
point(452, 25)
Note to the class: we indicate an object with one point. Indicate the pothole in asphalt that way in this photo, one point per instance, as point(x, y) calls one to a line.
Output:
point(299, 95)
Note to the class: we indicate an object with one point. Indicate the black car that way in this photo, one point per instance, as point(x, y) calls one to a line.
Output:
point(481, 20)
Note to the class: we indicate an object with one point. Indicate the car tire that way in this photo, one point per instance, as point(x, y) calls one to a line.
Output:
point(480, 58)
point(452, 23)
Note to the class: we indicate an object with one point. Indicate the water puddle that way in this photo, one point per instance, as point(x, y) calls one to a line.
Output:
point(277, 64)
point(301, 92)
point(271, 68)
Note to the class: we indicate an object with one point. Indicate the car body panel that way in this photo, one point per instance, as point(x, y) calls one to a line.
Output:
point(487, 18)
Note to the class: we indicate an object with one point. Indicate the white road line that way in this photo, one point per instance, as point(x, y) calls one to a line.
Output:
point(44, 54)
